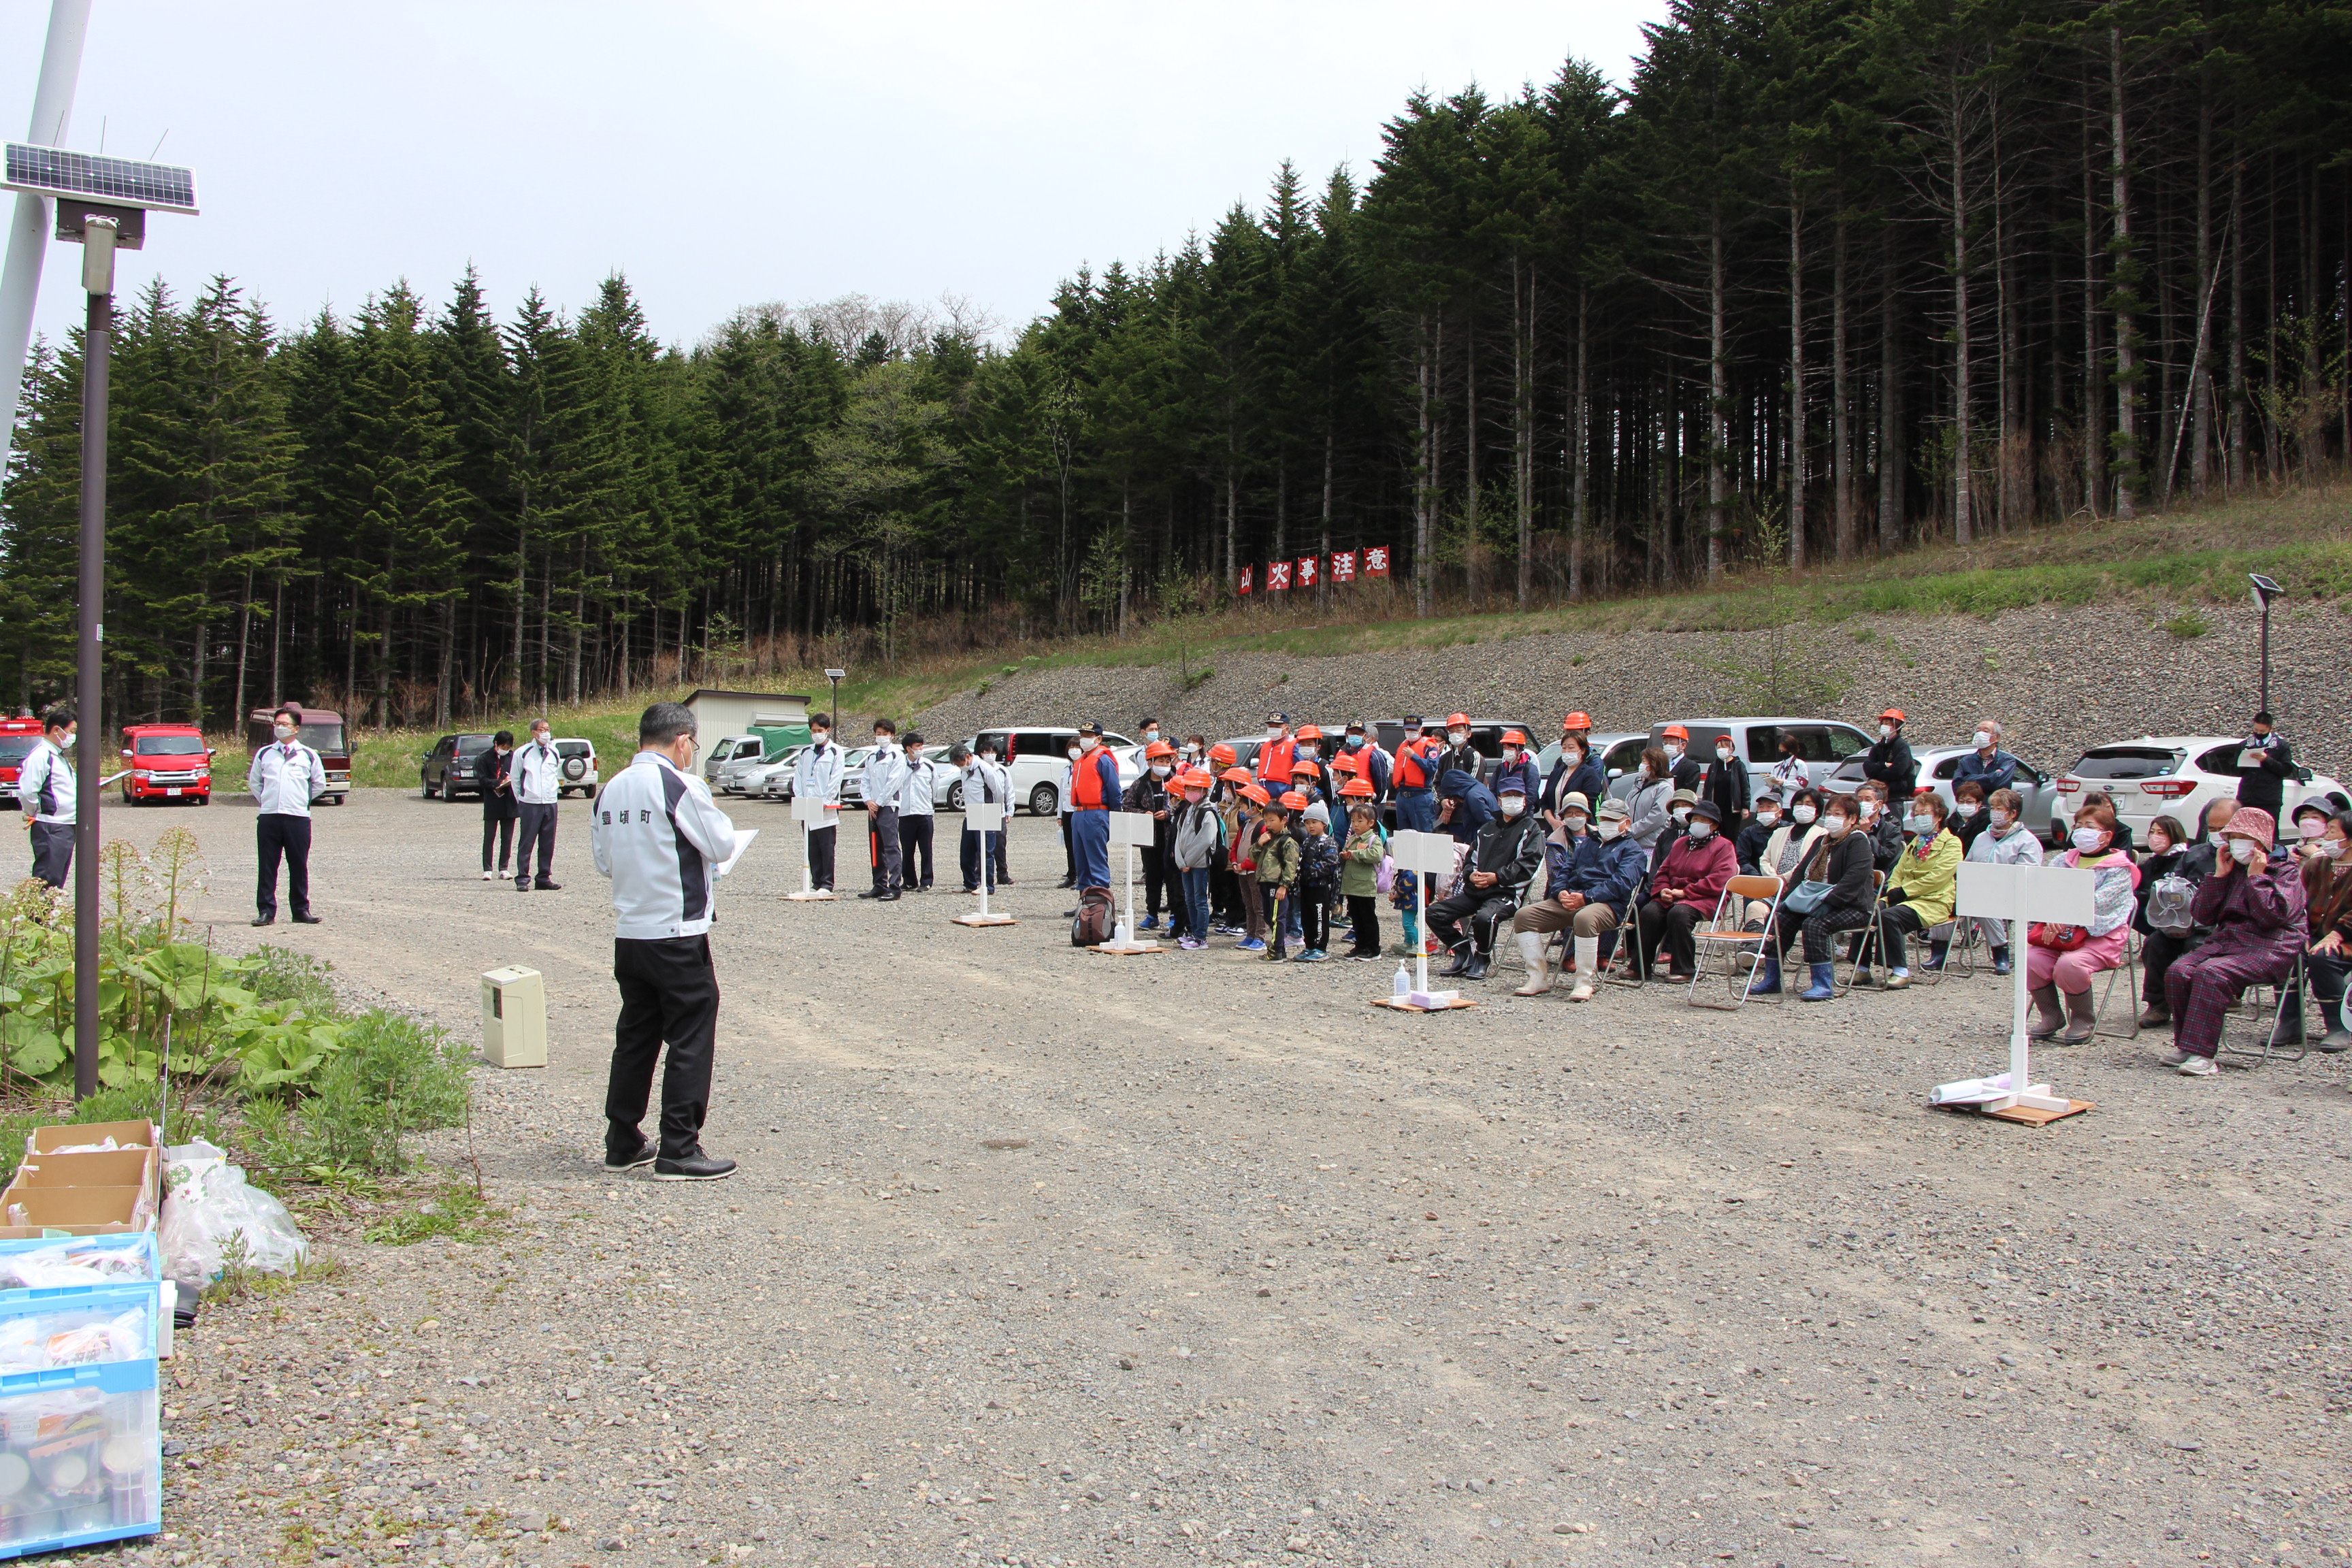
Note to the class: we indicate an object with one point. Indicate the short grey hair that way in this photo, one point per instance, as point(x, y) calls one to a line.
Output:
point(664, 722)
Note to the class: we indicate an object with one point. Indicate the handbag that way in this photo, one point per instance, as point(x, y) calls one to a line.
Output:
point(1806, 897)
point(2056, 938)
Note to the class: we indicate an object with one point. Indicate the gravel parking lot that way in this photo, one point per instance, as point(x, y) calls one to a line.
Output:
point(1042, 1258)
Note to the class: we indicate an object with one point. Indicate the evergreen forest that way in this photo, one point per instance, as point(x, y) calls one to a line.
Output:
point(1826, 278)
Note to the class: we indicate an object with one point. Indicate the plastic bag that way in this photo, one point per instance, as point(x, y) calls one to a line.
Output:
point(206, 1200)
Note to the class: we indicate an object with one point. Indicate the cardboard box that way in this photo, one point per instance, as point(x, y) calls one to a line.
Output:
point(126, 1135)
point(76, 1211)
point(110, 1168)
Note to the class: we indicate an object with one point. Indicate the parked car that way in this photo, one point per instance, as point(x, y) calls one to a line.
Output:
point(1620, 754)
point(323, 731)
point(2168, 775)
point(451, 768)
point(1826, 743)
point(773, 780)
point(946, 784)
point(579, 769)
point(17, 739)
point(733, 776)
point(726, 749)
point(1036, 757)
point(1937, 766)
point(166, 762)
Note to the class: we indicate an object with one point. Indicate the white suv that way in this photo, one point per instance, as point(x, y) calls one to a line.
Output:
point(1037, 757)
point(2168, 775)
point(578, 770)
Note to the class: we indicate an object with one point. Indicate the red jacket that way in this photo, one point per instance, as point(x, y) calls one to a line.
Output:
point(1701, 870)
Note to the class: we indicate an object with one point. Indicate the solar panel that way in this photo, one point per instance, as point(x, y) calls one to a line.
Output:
point(55, 172)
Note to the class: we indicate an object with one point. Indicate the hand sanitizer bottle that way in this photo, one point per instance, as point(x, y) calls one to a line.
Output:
point(1401, 986)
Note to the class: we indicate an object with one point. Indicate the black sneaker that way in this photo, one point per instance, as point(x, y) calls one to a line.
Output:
point(871, 893)
point(306, 919)
point(265, 920)
point(549, 887)
point(644, 1156)
point(696, 1167)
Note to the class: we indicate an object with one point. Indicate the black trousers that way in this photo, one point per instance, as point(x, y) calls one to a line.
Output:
point(820, 857)
point(499, 831)
point(1364, 914)
point(1224, 893)
point(1895, 922)
point(1671, 924)
point(1156, 879)
point(970, 853)
point(538, 827)
point(669, 993)
point(2158, 953)
point(1484, 909)
point(1314, 922)
point(914, 843)
point(53, 852)
point(275, 833)
point(882, 845)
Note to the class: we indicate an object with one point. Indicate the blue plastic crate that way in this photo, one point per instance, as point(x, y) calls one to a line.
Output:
point(140, 1243)
point(81, 1455)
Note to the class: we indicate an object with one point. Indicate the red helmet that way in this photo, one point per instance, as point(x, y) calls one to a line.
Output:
point(1195, 778)
point(1236, 776)
point(1293, 800)
point(1307, 732)
point(1462, 720)
point(1675, 730)
point(1157, 750)
point(1303, 768)
point(1514, 738)
point(1892, 715)
point(1345, 763)
point(1578, 721)
point(1255, 795)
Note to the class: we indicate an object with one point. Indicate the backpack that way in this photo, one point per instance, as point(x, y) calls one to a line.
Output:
point(1092, 926)
point(2168, 904)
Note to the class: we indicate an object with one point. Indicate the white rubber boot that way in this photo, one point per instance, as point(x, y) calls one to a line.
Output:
point(1531, 947)
point(1588, 968)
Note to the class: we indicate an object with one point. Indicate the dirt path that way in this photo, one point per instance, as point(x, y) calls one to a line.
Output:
point(1040, 1258)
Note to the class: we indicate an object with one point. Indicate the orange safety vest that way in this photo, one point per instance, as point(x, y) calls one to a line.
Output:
point(1415, 757)
point(1087, 786)
point(1273, 760)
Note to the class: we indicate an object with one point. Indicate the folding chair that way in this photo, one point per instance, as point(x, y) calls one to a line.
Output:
point(1724, 939)
point(1628, 936)
point(2266, 1017)
point(1962, 946)
point(1866, 948)
point(2128, 971)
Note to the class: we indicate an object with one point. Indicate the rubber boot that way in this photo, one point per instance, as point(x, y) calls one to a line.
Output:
point(1587, 969)
point(1767, 979)
point(2045, 999)
point(1824, 986)
point(1461, 962)
point(1532, 946)
point(2081, 1018)
point(2000, 960)
point(1478, 967)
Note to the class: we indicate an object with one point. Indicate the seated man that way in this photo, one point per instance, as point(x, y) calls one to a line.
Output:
point(1684, 891)
point(1592, 876)
point(1504, 859)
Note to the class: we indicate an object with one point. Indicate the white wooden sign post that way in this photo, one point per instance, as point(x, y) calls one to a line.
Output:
point(2021, 894)
point(1425, 855)
point(811, 815)
point(985, 818)
point(1130, 830)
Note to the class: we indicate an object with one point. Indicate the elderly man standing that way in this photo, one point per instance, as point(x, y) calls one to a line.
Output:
point(1988, 767)
point(537, 781)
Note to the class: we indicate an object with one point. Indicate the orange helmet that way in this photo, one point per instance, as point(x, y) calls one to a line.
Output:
point(1293, 800)
point(1223, 755)
point(1578, 721)
point(1454, 719)
point(1345, 763)
point(1307, 732)
point(1675, 730)
point(1303, 768)
point(1255, 795)
point(1513, 737)
point(1158, 748)
point(1236, 776)
point(1895, 714)
point(1361, 789)
point(1195, 778)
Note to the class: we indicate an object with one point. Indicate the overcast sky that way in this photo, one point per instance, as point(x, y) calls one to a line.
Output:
point(723, 154)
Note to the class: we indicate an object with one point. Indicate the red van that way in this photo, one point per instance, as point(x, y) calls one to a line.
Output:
point(17, 739)
point(323, 732)
point(165, 761)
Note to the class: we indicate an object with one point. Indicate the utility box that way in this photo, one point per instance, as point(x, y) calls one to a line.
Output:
point(514, 1018)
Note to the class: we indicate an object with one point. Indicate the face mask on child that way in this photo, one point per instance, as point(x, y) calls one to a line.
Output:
point(1160, 770)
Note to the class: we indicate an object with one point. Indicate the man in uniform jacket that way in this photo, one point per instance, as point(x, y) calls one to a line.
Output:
point(985, 783)
point(47, 795)
point(537, 780)
point(916, 809)
point(817, 775)
point(285, 778)
point(2262, 783)
point(884, 783)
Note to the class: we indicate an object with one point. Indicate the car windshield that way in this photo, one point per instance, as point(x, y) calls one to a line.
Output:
point(15, 749)
point(2127, 762)
point(328, 738)
point(169, 745)
point(472, 745)
point(573, 749)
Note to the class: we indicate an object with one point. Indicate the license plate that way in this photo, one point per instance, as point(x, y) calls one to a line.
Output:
point(174, 790)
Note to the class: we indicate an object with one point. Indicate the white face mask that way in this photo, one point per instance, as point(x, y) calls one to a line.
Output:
point(1886, 732)
point(1160, 770)
point(1680, 814)
point(2090, 840)
point(1701, 831)
point(818, 738)
point(1833, 825)
point(1919, 823)
point(1610, 829)
point(2241, 850)
point(880, 741)
point(1573, 756)
point(1869, 810)
point(1723, 753)
point(1674, 750)
point(1273, 731)
point(2336, 848)
point(1510, 756)
point(1073, 753)
point(1513, 805)
point(1459, 737)
point(1087, 743)
point(283, 732)
point(1804, 814)
point(2000, 819)
point(1768, 818)
point(1576, 824)
point(1984, 739)
point(1966, 808)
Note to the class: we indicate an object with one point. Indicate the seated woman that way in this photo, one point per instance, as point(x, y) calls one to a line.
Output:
point(2257, 911)
point(1968, 819)
point(2062, 958)
point(2006, 841)
point(2327, 895)
point(1839, 857)
point(1688, 885)
point(1785, 850)
point(2172, 852)
point(1920, 892)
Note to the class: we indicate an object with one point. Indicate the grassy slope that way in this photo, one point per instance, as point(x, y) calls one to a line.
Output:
point(2302, 538)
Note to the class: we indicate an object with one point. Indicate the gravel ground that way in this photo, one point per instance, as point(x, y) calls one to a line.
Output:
point(2060, 679)
point(1042, 1258)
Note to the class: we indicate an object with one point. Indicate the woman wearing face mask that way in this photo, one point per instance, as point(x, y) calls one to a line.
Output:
point(1687, 886)
point(1839, 857)
point(2005, 841)
point(1968, 819)
point(2061, 959)
point(1920, 892)
point(1725, 785)
point(2327, 895)
point(2258, 913)
point(1791, 838)
point(1651, 801)
point(499, 811)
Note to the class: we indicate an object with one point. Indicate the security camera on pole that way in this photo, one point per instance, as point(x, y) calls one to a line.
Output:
point(102, 204)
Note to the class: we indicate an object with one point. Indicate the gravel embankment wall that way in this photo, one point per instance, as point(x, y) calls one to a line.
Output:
point(2059, 678)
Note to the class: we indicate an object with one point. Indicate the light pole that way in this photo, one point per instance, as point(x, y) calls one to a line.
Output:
point(101, 202)
point(2265, 591)
point(836, 676)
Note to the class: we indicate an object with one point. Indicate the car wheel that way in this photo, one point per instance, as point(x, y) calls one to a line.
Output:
point(1043, 800)
point(429, 791)
point(955, 796)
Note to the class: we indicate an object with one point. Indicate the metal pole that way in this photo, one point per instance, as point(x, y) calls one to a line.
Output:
point(89, 758)
point(2265, 702)
point(28, 235)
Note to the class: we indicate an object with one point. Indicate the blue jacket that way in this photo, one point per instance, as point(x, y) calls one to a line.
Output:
point(1528, 779)
point(1477, 808)
point(1591, 781)
point(1999, 774)
point(1605, 873)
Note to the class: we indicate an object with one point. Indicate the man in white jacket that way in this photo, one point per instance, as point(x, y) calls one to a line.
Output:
point(285, 778)
point(884, 784)
point(46, 793)
point(981, 853)
point(817, 775)
point(655, 832)
point(915, 813)
point(538, 785)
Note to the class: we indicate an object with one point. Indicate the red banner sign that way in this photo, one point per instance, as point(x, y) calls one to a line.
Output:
point(1376, 560)
point(1277, 576)
point(1343, 566)
point(1306, 565)
point(1246, 577)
